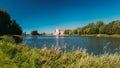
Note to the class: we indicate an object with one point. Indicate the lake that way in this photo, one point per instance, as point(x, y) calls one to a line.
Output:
point(95, 45)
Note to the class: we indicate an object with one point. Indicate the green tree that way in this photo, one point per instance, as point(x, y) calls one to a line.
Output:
point(75, 31)
point(98, 28)
point(8, 27)
point(79, 31)
point(4, 22)
point(98, 25)
point(83, 30)
point(102, 29)
point(43, 34)
point(15, 28)
point(34, 32)
point(91, 28)
point(68, 32)
point(108, 29)
point(116, 27)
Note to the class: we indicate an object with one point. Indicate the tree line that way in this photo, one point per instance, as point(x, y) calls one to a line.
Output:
point(35, 32)
point(96, 28)
point(8, 26)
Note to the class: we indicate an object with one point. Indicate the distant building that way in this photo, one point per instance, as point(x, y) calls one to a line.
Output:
point(58, 32)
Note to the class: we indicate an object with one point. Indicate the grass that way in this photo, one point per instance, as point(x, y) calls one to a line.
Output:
point(20, 56)
point(102, 35)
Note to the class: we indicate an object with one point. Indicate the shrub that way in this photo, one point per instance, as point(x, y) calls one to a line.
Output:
point(21, 56)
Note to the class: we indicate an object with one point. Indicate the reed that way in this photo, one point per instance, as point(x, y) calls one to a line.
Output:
point(20, 56)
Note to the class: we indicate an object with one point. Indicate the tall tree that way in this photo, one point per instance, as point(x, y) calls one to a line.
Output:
point(75, 31)
point(91, 28)
point(102, 29)
point(34, 32)
point(108, 29)
point(8, 27)
point(4, 22)
point(116, 27)
point(15, 29)
point(98, 25)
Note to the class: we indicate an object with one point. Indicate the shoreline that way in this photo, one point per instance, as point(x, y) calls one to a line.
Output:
point(94, 35)
point(103, 35)
point(20, 55)
point(87, 35)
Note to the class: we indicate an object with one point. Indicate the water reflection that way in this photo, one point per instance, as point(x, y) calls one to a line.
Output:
point(34, 41)
point(57, 40)
point(60, 44)
point(91, 44)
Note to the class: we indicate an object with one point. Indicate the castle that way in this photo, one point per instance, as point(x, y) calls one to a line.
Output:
point(58, 32)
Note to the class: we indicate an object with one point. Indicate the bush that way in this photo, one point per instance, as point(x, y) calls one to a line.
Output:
point(8, 39)
point(21, 56)
point(35, 32)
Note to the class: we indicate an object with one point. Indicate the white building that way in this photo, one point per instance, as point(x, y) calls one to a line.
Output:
point(58, 32)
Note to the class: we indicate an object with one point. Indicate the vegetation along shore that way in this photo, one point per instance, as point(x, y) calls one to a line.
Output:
point(20, 56)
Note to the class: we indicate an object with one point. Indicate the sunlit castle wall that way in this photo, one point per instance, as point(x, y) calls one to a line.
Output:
point(58, 32)
point(61, 32)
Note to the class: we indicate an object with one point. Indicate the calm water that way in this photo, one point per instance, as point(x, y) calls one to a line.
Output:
point(93, 45)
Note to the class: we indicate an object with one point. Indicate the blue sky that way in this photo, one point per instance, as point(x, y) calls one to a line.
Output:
point(46, 15)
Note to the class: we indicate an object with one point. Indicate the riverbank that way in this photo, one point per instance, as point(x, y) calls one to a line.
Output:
point(97, 35)
point(91, 35)
point(20, 56)
point(102, 35)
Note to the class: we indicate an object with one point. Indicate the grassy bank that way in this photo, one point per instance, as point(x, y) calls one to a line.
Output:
point(20, 56)
point(102, 35)
point(96, 35)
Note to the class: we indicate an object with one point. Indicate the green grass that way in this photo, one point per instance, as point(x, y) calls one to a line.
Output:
point(20, 56)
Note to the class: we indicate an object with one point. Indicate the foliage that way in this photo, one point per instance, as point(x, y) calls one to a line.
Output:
point(68, 32)
point(97, 28)
point(8, 27)
point(113, 27)
point(15, 28)
point(99, 24)
point(20, 56)
point(7, 39)
point(34, 32)
point(43, 34)
point(4, 22)
point(75, 31)
point(102, 29)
